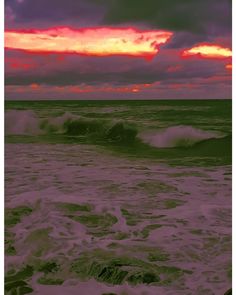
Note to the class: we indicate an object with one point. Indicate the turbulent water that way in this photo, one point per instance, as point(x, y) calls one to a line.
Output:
point(123, 197)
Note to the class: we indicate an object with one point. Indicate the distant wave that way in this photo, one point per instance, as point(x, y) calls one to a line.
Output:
point(177, 136)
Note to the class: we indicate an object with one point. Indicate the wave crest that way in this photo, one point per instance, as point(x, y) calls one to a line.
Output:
point(28, 123)
point(177, 136)
point(21, 122)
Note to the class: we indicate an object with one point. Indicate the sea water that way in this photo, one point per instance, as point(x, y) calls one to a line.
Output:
point(123, 197)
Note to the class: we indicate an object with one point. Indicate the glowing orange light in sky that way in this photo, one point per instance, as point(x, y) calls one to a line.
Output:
point(229, 67)
point(208, 51)
point(101, 41)
point(127, 89)
point(134, 88)
point(34, 86)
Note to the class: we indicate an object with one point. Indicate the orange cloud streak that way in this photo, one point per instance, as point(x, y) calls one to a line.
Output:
point(208, 51)
point(101, 41)
point(134, 88)
point(229, 67)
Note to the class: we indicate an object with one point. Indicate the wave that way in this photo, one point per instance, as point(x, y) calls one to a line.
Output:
point(28, 123)
point(215, 146)
point(21, 122)
point(57, 125)
point(177, 136)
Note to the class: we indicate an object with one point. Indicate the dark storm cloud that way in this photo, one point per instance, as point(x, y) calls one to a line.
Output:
point(202, 16)
point(52, 13)
point(191, 21)
point(76, 70)
point(186, 39)
point(199, 17)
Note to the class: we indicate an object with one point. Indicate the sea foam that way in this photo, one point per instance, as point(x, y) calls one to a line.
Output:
point(176, 136)
point(21, 122)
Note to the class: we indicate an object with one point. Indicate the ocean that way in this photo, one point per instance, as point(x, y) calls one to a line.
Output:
point(118, 197)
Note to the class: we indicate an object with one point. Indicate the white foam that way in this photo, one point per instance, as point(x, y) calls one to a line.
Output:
point(176, 136)
point(21, 122)
point(57, 123)
point(25, 122)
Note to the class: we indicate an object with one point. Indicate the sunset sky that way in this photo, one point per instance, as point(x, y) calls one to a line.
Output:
point(117, 49)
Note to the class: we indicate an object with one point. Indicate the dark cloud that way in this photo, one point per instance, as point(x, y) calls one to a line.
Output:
point(202, 16)
point(52, 13)
point(118, 71)
point(199, 17)
point(186, 39)
point(191, 21)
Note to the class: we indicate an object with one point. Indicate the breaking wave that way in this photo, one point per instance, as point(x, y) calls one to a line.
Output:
point(177, 136)
point(22, 122)
point(27, 123)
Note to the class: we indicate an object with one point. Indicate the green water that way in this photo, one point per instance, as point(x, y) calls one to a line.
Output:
point(116, 126)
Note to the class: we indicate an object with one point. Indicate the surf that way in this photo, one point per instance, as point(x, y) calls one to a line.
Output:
point(177, 136)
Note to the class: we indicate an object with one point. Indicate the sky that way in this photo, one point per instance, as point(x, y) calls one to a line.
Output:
point(118, 49)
